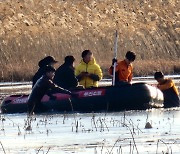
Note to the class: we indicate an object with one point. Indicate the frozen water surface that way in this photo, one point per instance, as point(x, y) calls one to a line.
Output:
point(91, 133)
point(120, 132)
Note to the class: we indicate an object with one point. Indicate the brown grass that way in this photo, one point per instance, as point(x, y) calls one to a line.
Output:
point(33, 29)
point(149, 67)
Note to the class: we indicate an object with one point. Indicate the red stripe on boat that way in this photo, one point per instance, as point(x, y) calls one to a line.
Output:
point(59, 96)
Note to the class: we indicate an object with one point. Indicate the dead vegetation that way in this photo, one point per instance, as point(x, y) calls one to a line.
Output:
point(32, 29)
point(129, 134)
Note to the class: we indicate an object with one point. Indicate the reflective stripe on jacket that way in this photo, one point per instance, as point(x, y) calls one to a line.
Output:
point(91, 67)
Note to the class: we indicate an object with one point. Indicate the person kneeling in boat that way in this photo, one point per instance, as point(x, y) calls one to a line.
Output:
point(88, 72)
point(65, 75)
point(50, 61)
point(42, 87)
point(124, 69)
point(170, 92)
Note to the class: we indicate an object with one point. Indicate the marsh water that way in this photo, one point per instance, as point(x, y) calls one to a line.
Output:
point(148, 131)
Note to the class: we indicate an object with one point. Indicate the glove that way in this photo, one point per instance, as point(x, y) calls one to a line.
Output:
point(114, 60)
point(81, 75)
point(94, 77)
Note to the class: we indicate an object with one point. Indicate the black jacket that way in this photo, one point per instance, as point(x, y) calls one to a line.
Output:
point(38, 75)
point(65, 77)
point(42, 86)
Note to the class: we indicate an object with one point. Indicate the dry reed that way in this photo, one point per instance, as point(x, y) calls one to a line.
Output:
point(31, 30)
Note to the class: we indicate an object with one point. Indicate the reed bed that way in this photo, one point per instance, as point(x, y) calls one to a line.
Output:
point(33, 29)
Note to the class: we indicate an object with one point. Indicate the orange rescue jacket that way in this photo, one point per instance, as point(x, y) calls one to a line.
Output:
point(123, 71)
point(168, 84)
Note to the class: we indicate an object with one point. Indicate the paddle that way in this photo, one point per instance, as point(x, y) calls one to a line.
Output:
point(115, 57)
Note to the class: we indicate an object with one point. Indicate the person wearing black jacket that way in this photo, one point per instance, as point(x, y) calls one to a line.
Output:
point(43, 86)
point(65, 76)
point(50, 61)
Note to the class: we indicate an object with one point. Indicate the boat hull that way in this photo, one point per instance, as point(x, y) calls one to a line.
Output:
point(103, 99)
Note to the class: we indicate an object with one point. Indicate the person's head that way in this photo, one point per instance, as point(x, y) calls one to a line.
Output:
point(49, 71)
point(69, 60)
point(159, 76)
point(130, 57)
point(87, 56)
point(49, 60)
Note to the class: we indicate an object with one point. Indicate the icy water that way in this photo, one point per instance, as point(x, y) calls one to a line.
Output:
point(90, 133)
point(98, 133)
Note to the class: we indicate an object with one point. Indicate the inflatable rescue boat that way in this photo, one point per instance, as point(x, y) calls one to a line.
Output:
point(138, 96)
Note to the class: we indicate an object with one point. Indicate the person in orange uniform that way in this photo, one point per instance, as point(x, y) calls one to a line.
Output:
point(124, 69)
point(170, 92)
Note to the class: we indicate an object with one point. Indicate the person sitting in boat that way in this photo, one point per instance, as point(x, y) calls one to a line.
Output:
point(50, 61)
point(42, 87)
point(88, 72)
point(65, 75)
point(170, 92)
point(124, 69)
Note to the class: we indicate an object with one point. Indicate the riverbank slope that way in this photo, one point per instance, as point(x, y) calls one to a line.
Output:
point(33, 29)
